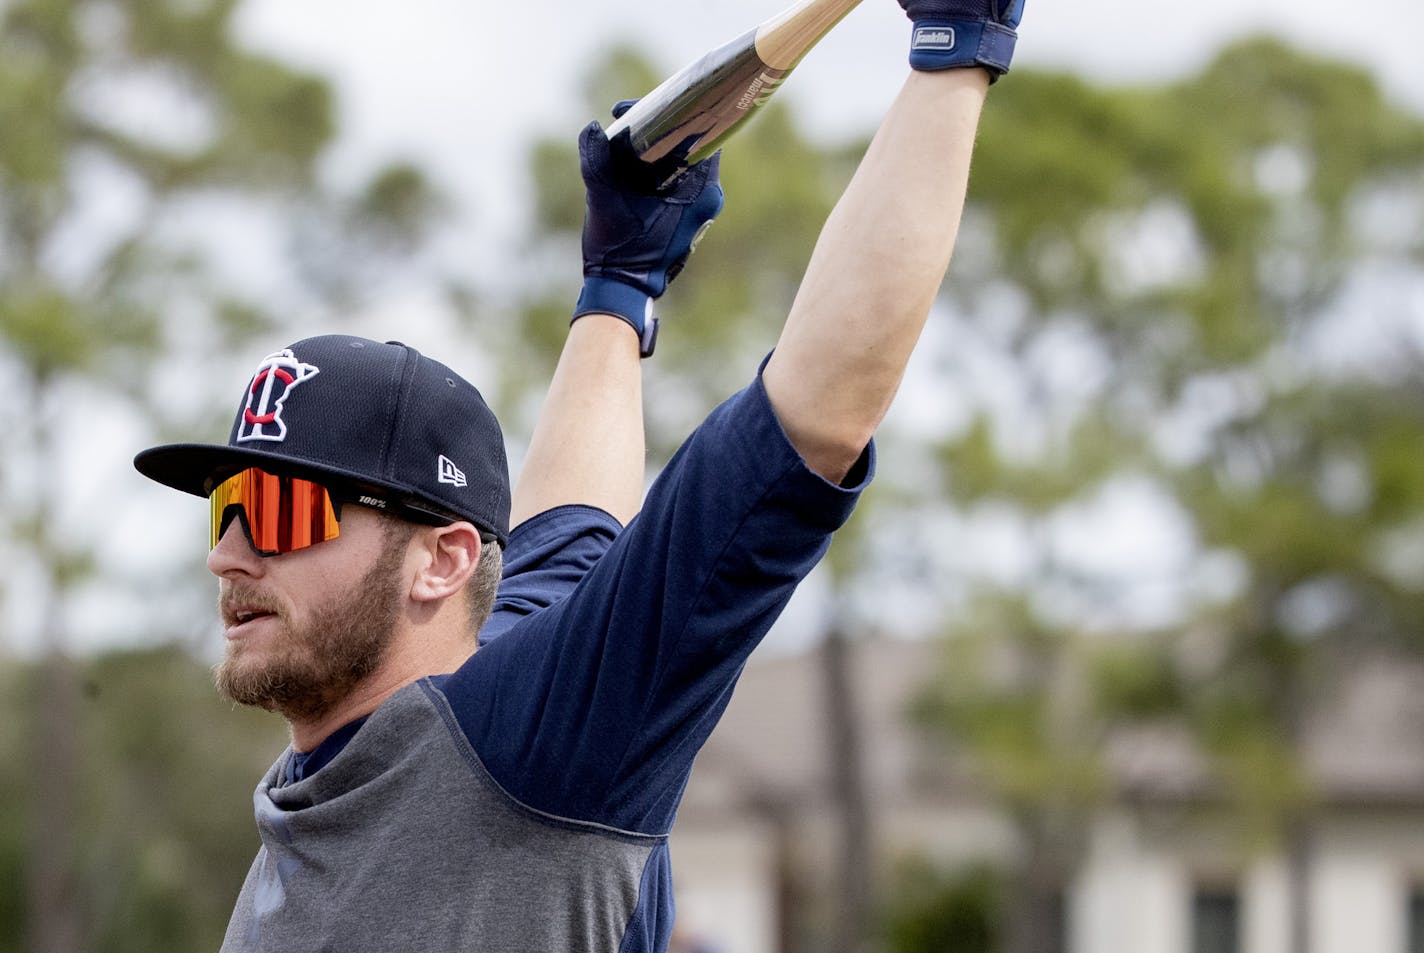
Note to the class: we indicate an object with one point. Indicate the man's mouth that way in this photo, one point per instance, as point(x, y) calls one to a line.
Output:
point(239, 623)
point(238, 609)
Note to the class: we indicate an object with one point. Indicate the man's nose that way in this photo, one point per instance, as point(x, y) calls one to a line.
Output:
point(234, 554)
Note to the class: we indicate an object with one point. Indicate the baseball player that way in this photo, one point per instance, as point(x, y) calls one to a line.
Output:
point(519, 797)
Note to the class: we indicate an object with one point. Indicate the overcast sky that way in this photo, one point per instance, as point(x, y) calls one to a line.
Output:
point(462, 85)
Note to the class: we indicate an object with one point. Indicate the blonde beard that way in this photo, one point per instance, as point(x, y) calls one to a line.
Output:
point(316, 664)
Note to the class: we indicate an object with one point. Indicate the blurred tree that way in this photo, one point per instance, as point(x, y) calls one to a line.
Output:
point(167, 823)
point(162, 817)
point(937, 911)
point(1015, 698)
point(140, 142)
point(1197, 287)
point(15, 708)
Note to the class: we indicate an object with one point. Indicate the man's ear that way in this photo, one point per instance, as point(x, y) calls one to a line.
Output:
point(448, 557)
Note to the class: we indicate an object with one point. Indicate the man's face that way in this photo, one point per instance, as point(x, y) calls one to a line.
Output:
point(304, 628)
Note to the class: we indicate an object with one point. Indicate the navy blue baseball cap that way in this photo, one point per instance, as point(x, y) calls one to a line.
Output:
point(362, 413)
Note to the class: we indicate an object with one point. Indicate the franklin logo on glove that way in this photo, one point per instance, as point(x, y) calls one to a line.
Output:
point(931, 38)
point(953, 34)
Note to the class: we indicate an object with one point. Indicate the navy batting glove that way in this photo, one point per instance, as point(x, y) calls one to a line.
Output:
point(637, 237)
point(949, 34)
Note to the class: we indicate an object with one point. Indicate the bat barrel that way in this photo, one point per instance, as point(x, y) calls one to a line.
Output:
point(688, 116)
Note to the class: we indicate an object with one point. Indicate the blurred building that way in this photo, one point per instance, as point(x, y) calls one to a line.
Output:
point(1166, 866)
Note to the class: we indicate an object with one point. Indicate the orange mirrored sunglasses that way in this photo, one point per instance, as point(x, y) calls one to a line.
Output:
point(281, 514)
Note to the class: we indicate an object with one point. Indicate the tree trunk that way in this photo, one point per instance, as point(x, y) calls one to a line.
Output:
point(54, 925)
point(854, 927)
point(1033, 905)
point(791, 892)
point(1299, 839)
point(1299, 827)
point(52, 897)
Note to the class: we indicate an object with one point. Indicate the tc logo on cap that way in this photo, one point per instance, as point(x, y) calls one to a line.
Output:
point(276, 376)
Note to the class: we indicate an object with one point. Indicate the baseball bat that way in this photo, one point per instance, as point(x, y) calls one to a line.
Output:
point(693, 111)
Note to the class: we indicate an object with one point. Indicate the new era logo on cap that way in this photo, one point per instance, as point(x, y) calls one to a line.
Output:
point(447, 472)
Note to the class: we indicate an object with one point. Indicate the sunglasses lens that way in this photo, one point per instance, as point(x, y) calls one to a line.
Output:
point(281, 514)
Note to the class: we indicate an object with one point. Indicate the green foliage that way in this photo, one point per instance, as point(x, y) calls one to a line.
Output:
point(398, 201)
point(164, 824)
point(132, 134)
point(1009, 694)
point(157, 104)
point(170, 799)
point(1134, 682)
point(936, 911)
point(16, 702)
point(1301, 468)
point(1087, 454)
point(1258, 161)
point(1061, 163)
point(77, 84)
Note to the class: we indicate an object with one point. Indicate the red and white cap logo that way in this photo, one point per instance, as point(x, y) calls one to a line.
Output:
point(276, 376)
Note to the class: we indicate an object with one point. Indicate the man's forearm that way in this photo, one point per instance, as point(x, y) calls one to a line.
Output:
point(587, 446)
point(875, 272)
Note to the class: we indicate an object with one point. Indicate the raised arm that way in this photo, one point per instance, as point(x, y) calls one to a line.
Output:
point(587, 446)
point(883, 252)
